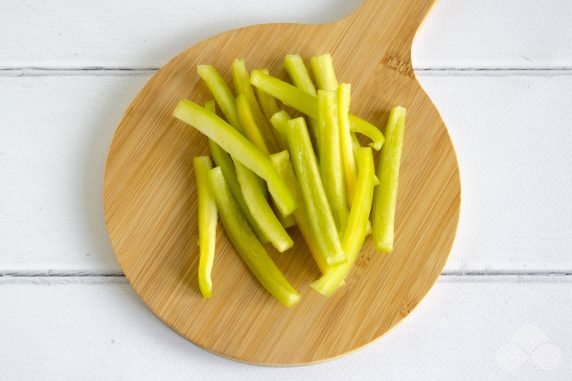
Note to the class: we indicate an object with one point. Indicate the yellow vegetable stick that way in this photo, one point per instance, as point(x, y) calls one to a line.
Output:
point(261, 211)
point(248, 247)
point(323, 68)
point(207, 224)
point(317, 246)
point(221, 93)
point(386, 193)
point(241, 79)
point(331, 158)
point(240, 148)
point(249, 126)
point(356, 232)
point(312, 189)
point(348, 158)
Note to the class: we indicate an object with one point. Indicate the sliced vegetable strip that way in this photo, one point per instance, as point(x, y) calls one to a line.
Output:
point(239, 148)
point(224, 161)
point(249, 125)
point(323, 68)
point(267, 102)
point(280, 123)
point(316, 245)
point(221, 93)
point(386, 193)
point(261, 211)
point(246, 244)
point(348, 159)
point(241, 79)
point(313, 194)
point(207, 224)
point(356, 231)
point(331, 157)
point(298, 73)
point(296, 98)
point(361, 126)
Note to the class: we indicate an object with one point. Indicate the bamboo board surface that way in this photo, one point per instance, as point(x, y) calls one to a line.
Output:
point(150, 198)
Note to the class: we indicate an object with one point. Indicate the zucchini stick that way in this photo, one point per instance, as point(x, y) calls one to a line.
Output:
point(386, 192)
point(246, 244)
point(239, 148)
point(316, 245)
point(356, 231)
point(260, 209)
point(249, 125)
point(313, 194)
point(348, 158)
point(241, 79)
point(294, 97)
point(331, 157)
point(207, 224)
point(221, 93)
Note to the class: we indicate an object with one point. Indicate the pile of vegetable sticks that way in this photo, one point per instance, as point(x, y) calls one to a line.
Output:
point(274, 172)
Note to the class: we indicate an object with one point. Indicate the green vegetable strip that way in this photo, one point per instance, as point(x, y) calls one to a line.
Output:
point(211, 106)
point(246, 244)
point(356, 232)
point(386, 192)
point(313, 194)
point(286, 221)
point(300, 77)
point(270, 107)
point(221, 93)
point(241, 79)
point(249, 126)
point(297, 98)
point(323, 68)
point(240, 148)
point(331, 158)
point(286, 93)
point(260, 209)
point(299, 74)
point(315, 243)
point(280, 123)
point(360, 126)
point(348, 158)
point(207, 224)
point(224, 161)
point(267, 102)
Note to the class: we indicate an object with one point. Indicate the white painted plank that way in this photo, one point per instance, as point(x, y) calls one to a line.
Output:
point(147, 33)
point(55, 133)
point(512, 136)
point(464, 329)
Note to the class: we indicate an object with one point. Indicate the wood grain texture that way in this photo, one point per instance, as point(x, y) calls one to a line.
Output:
point(150, 200)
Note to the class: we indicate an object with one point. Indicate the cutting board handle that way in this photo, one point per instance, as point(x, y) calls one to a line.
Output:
point(388, 26)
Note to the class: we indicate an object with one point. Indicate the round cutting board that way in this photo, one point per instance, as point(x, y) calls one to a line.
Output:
point(151, 210)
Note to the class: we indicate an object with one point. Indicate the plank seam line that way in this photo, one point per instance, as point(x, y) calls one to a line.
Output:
point(112, 274)
point(39, 71)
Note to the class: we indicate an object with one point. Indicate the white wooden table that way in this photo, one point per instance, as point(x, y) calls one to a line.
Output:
point(500, 72)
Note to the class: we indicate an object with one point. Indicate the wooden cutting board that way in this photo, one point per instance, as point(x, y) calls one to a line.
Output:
point(150, 197)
